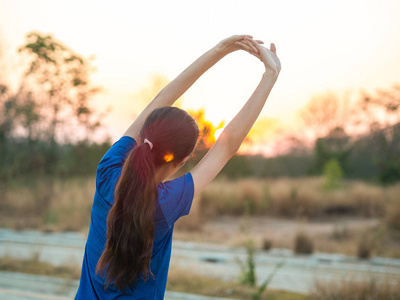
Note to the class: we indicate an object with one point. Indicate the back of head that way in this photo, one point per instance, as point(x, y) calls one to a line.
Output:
point(172, 132)
point(171, 135)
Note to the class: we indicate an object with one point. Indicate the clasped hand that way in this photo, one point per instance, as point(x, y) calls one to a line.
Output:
point(254, 47)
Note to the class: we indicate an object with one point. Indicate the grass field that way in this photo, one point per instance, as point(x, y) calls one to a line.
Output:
point(354, 218)
point(304, 197)
point(186, 281)
point(246, 204)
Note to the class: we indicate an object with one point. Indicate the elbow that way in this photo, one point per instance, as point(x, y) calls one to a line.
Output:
point(229, 142)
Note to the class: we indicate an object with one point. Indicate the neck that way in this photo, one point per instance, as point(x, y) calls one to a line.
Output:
point(163, 172)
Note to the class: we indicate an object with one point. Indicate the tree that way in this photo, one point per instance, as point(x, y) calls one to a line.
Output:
point(382, 110)
point(4, 98)
point(57, 90)
point(50, 107)
point(325, 112)
point(383, 107)
point(335, 146)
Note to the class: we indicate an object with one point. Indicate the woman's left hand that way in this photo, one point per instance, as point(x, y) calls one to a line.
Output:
point(239, 42)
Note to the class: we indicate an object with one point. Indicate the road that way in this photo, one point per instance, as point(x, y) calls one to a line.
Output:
point(17, 286)
point(297, 274)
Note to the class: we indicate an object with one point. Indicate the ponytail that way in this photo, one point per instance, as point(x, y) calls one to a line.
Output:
point(130, 226)
point(168, 134)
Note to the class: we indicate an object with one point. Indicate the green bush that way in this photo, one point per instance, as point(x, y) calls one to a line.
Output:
point(333, 174)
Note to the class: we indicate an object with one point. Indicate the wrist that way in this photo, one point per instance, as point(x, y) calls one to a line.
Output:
point(221, 50)
point(271, 74)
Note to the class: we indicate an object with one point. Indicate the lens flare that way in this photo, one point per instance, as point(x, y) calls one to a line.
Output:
point(168, 157)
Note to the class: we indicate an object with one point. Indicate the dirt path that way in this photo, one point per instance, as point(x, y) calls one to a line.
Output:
point(334, 235)
point(215, 260)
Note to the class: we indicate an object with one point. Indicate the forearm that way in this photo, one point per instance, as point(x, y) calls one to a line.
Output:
point(169, 94)
point(236, 131)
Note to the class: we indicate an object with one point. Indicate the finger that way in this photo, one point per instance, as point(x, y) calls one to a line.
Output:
point(273, 48)
point(248, 48)
point(246, 41)
point(242, 36)
point(259, 42)
point(244, 46)
point(254, 43)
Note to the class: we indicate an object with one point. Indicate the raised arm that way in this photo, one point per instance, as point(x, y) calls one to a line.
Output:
point(170, 93)
point(235, 132)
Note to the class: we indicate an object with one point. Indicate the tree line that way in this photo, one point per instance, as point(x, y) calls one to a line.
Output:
point(358, 139)
point(47, 125)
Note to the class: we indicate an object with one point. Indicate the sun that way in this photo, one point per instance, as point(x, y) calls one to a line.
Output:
point(217, 133)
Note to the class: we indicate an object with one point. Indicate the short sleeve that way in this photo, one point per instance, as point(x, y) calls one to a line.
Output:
point(176, 197)
point(111, 164)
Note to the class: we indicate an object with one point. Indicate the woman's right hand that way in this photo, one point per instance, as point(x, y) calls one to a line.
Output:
point(267, 56)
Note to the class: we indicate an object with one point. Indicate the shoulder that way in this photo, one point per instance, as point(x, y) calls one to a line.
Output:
point(112, 162)
point(175, 197)
point(175, 186)
point(121, 147)
point(118, 151)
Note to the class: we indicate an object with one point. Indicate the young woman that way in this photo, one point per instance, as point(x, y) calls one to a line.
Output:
point(128, 249)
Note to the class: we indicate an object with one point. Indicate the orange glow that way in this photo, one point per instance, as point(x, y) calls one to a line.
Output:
point(206, 128)
point(262, 131)
point(168, 157)
point(217, 133)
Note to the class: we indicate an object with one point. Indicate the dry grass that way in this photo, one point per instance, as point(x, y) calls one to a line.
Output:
point(362, 241)
point(66, 204)
point(48, 204)
point(192, 222)
point(179, 280)
point(304, 197)
point(34, 266)
point(186, 281)
point(357, 290)
point(392, 213)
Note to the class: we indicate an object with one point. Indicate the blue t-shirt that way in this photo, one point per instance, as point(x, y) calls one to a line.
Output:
point(174, 199)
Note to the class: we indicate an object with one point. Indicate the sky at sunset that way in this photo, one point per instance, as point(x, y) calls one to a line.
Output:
point(340, 46)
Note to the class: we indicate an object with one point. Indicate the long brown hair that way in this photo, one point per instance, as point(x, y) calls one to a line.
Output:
point(130, 227)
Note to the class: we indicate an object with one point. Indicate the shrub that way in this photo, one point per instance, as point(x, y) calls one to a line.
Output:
point(333, 174)
point(248, 273)
point(248, 268)
point(267, 244)
point(365, 247)
point(369, 289)
point(260, 290)
point(303, 244)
